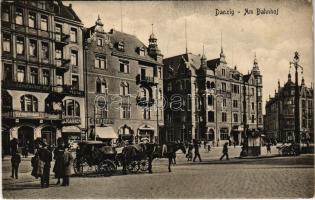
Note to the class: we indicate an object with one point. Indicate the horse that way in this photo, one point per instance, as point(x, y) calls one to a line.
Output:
point(169, 151)
point(137, 152)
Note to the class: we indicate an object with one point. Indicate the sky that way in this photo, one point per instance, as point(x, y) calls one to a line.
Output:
point(273, 38)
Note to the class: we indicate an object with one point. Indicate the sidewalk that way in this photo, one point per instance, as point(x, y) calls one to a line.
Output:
point(25, 170)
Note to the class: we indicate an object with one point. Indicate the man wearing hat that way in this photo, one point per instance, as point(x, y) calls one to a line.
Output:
point(45, 157)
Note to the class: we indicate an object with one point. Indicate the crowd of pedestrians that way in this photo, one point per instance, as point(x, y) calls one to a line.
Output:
point(41, 162)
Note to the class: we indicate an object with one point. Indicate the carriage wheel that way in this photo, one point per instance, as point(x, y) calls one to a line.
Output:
point(107, 167)
point(144, 165)
point(133, 167)
point(79, 166)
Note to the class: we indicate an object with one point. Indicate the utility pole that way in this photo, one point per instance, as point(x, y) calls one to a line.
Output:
point(296, 65)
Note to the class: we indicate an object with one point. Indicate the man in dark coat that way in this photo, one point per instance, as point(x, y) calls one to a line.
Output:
point(68, 159)
point(59, 162)
point(46, 157)
point(225, 151)
point(197, 154)
point(15, 161)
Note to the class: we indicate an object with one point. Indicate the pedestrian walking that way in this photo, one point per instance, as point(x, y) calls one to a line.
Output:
point(209, 147)
point(268, 145)
point(189, 152)
point(197, 154)
point(225, 151)
point(45, 159)
point(205, 144)
point(59, 161)
point(68, 159)
point(15, 162)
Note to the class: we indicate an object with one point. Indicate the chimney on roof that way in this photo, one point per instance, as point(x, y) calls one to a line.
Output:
point(235, 67)
point(70, 5)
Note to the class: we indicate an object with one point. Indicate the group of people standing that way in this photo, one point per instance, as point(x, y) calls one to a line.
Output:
point(41, 163)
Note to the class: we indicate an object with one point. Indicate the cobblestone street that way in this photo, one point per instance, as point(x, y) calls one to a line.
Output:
point(274, 177)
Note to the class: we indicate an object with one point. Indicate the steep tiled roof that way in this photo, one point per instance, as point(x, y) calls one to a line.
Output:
point(246, 77)
point(131, 45)
point(65, 12)
point(176, 61)
point(212, 64)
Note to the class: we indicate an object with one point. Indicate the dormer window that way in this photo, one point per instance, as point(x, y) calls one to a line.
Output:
point(100, 42)
point(121, 46)
point(141, 51)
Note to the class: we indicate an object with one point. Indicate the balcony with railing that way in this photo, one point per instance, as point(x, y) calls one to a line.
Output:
point(63, 64)
point(144, 101)
point(72, 91)
point(31, 115)
point(62, 38)
point(13, 85)
point(148, 80)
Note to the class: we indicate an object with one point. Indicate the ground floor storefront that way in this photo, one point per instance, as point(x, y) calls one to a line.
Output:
point(23, 133)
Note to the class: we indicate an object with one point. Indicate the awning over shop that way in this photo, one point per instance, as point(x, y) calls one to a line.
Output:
point(146, 127)
point(71, 129)
point(106, 133)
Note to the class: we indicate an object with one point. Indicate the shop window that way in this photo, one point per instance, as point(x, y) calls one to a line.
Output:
point(224, 134)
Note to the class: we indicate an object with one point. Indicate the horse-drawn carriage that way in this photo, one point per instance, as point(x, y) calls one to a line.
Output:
point(95, 157)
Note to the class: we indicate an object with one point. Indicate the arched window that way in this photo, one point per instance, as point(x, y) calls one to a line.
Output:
point(101, 86)
point(212, 85)
point(208, 85)
point(29, 103)
point(72, 108)
point(143, 93)
point(124, 89)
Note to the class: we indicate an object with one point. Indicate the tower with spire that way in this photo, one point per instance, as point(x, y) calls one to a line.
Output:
point(153, 49)
point(255, 69)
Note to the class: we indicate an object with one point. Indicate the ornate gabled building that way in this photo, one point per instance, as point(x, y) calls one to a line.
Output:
point(280, 119)
point(124, 81)
point(208, 100)
point(42, 72)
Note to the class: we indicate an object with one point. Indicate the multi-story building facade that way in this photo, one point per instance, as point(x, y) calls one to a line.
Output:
point(208, 100)
point(280, 118)
point(124, 81)
point(42, 72)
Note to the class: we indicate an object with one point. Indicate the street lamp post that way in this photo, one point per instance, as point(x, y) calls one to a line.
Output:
point(296, 65)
